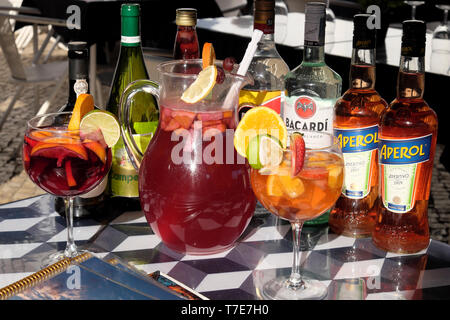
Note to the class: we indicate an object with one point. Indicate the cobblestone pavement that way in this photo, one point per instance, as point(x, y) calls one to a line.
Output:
point(15, 184)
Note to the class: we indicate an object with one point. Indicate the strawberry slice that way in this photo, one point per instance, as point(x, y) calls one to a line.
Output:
point(69, 175)
point(315, 173)
point(59, 151)
point(297, 147)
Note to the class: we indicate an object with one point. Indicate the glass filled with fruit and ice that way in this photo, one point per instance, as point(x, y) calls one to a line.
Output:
point(296, 183)
point(67, 154)
point(194, 188)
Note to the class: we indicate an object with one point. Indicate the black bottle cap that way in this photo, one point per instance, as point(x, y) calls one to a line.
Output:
point(413, 38)
point(315, 15)
point(363, 37)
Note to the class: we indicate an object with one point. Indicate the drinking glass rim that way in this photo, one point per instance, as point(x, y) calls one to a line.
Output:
point(193, 61)
point(33, 127)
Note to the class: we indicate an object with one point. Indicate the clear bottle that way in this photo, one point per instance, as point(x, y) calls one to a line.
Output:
point(186, 41)
point(357, 114)
point(93, 202)
point(312, 88)
point(123, 178)
point(408, 135)
point(267, 67)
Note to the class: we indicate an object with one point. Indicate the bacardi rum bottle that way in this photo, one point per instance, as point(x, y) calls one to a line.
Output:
point(312, 88)
point(407, 133)
point(357, 114)
point(267, 67)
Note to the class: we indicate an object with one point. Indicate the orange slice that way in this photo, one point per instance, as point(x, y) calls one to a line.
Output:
point(259, 121)
point(273, 186)
point(97, 148)
point(69, 175)
point(293, 187)
point(84, 104)
point(59, 151)
point(208, 55)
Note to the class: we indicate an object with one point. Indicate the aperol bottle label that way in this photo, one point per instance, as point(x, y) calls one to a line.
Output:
point(359, 148)
point(401, 168)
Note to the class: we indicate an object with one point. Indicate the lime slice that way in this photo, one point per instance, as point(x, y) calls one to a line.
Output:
point(264, 151)
point(202, 86)
point(103, 120)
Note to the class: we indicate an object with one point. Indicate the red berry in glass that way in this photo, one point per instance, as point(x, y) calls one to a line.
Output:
point(228, 63)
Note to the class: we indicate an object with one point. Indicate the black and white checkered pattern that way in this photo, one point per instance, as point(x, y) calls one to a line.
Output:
point(30, 230)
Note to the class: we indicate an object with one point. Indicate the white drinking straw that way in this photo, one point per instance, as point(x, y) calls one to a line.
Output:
point(243, 67)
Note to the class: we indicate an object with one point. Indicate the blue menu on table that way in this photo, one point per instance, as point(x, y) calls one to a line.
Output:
point(87, 277)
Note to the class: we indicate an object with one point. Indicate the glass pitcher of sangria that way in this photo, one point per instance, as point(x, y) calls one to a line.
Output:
point(194, 188)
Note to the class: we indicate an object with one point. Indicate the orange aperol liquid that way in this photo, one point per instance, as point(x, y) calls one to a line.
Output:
point(304, 196)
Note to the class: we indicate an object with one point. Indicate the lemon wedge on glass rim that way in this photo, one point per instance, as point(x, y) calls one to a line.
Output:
point(202, 86)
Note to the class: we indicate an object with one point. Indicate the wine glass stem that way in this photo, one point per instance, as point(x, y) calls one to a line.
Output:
point(295, 280)
point(71, 248)
point(413, 13)
point(445, 17)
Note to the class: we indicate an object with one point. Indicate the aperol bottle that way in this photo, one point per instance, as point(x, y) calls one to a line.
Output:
point(407, 133)
point(357, 114)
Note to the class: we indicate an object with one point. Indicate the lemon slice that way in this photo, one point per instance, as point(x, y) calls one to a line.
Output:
point(259, 120)
point(202, 86)
point(103, 120)
point(264, 151)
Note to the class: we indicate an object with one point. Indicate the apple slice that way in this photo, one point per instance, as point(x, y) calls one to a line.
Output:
point(297, 146)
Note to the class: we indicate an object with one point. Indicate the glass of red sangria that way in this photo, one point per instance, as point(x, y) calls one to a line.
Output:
point(194, 187)
point(64, 163)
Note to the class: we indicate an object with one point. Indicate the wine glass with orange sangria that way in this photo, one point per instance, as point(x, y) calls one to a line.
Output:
point(66, 161)
point(296, 183)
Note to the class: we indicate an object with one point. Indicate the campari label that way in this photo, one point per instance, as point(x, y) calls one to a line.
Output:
point(249, 99)
point(401, 162)
point(305, 113)
point(359, 148)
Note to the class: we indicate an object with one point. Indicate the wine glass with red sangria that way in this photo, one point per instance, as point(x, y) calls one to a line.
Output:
point(64, 163)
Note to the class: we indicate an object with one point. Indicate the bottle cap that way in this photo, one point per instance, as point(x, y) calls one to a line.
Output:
point(186, 17)
point(130, 25)
point(130, 10)
point(413, 38)
point(264, 16)
point(315, 15)
point(363, 37)
point(264, 5)
point(77, 45)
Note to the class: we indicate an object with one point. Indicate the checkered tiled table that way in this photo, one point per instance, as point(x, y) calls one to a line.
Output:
point(351, 268)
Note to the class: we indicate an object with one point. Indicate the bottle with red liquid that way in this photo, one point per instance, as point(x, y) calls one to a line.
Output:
point(357, 114)
point(186, 41)
point(407, 134)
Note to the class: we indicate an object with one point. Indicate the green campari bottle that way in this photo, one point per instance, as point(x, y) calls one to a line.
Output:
point(123, 178)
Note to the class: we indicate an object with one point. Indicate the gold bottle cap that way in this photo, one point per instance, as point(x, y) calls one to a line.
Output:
point(186, 17)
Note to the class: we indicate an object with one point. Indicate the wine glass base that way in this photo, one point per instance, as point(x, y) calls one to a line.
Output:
point(279, 289)
point(58, 256)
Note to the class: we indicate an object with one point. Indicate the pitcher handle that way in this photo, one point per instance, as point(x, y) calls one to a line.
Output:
point(151, 87)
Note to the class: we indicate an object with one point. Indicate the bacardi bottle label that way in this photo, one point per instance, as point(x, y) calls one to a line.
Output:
point(401, 162)
point(305, 113)
point(249, 99)
point(359, 148)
